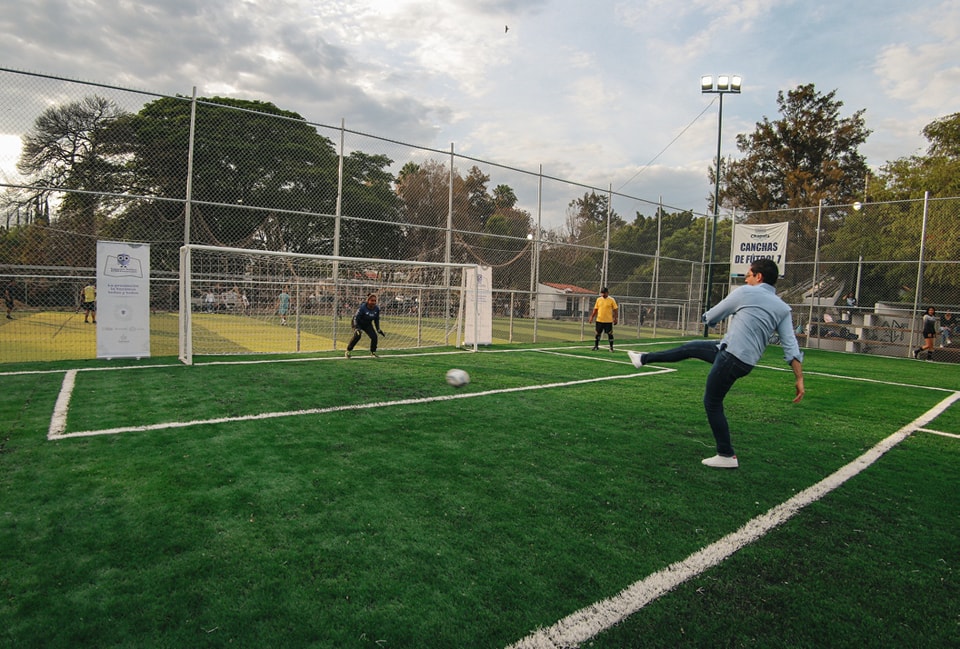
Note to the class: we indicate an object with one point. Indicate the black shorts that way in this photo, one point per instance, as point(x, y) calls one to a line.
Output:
point(89, 306)
point(604, 327)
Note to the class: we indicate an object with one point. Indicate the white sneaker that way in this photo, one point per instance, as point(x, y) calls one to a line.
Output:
point(721, 462)
point(639, 359)
point(346, 354)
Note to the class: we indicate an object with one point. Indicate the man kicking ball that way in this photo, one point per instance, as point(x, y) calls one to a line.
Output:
point(756, 313)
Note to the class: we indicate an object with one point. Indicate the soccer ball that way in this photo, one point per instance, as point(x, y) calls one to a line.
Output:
point(457, 378)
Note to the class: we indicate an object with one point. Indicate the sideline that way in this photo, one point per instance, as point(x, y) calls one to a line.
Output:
point(586, 623)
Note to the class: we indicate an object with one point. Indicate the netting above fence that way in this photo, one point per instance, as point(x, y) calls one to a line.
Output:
point(105, 163)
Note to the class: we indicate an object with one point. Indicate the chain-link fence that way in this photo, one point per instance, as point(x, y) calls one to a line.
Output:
point(84, 162)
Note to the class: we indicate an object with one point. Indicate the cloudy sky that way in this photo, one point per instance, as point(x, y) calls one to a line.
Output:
point(602, 92)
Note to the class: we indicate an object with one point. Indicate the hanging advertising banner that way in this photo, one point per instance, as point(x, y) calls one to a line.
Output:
point(123, 299)
point(757, 241)
point(478, 298)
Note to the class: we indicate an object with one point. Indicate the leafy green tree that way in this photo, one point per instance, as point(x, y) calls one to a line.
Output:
point(809, 154)
point(889, 224)
point(504, 198)
point(479, 203)
point(369, 199)
point(64, 158)
point(262, 177)
point(579, 260)
point(424, 191)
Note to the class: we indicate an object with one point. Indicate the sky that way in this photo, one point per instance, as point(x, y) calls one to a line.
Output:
point(601, 92)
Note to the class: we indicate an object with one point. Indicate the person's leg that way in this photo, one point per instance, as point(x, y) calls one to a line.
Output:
point(596, 340)
point(705, 350)
point(372, 333)
point(610, 336)
point(726, 369)
point(353, 341)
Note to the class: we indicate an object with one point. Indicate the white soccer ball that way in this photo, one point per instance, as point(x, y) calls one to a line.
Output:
point(457, 378)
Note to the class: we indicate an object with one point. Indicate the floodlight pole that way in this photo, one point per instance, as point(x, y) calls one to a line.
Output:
point(723, 86)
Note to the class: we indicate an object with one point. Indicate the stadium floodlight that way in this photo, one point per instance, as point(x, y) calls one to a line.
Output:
point(725, 83)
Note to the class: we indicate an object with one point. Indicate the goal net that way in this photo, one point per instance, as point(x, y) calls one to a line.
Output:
point(237, 301)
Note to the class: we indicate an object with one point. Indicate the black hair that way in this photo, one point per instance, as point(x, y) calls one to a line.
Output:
point(767, 268)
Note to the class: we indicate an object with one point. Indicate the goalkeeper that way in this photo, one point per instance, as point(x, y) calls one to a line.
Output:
point(366, 320)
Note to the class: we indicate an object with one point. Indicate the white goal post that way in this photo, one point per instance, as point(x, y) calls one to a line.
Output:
point(240, 301)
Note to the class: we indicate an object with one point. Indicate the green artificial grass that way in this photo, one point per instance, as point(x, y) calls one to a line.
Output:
point(456, 520)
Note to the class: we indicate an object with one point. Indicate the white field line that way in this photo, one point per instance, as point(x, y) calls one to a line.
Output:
point(938, 432)
point(857, 378)
point(56, 432)
point(588, 622)
point(58, 422)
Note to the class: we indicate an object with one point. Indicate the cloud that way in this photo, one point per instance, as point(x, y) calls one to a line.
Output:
point(595, 92)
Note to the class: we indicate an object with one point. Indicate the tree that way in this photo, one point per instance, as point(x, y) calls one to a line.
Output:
point(809, 154)
point(371, 205)
point(585, 234)
point(262, 176)
point(504, 198)
point(480, 205)
point(424, 191)
point(64, 151)
point(937, 172)
point(889, 224)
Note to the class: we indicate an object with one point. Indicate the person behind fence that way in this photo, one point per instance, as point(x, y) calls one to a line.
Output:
point(366, 321)
point(605, 310)
point(283, 304)
point(88, 302)
point(846, 317)
point(948, 327)
point(8, 290)
point(755, 312)
point(929, 333)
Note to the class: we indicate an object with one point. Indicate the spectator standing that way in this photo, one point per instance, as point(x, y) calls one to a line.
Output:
point(8, 290)
point(929, 333)
point(88, 302)
point(283, 304)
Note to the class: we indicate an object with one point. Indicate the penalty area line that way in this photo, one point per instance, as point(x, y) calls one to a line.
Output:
point(56, 433)
point(58, 421)
point(586, 623)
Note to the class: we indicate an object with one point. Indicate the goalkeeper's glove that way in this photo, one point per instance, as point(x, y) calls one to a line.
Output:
point(380, 331)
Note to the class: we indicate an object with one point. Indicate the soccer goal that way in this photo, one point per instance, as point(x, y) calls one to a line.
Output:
point(237, 301)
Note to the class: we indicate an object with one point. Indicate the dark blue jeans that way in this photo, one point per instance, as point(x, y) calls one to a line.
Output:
point(726, 369)
point(371, 333)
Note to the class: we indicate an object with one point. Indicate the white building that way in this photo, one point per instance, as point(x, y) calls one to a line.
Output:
point(564, 301)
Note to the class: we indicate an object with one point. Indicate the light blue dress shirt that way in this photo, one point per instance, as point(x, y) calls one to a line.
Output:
point(757, 312)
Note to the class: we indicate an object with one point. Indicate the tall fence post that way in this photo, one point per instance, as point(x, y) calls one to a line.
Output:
point(919, 284)
point(337, 218)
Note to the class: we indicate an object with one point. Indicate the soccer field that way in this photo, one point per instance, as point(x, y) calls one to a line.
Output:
point(557, 500)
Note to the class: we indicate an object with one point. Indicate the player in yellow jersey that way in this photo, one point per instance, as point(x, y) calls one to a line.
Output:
point(88, 302)
point(605, 311)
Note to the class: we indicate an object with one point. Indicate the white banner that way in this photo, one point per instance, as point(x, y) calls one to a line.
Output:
point(123, 299)
point(478, 314)
point(757, 241)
